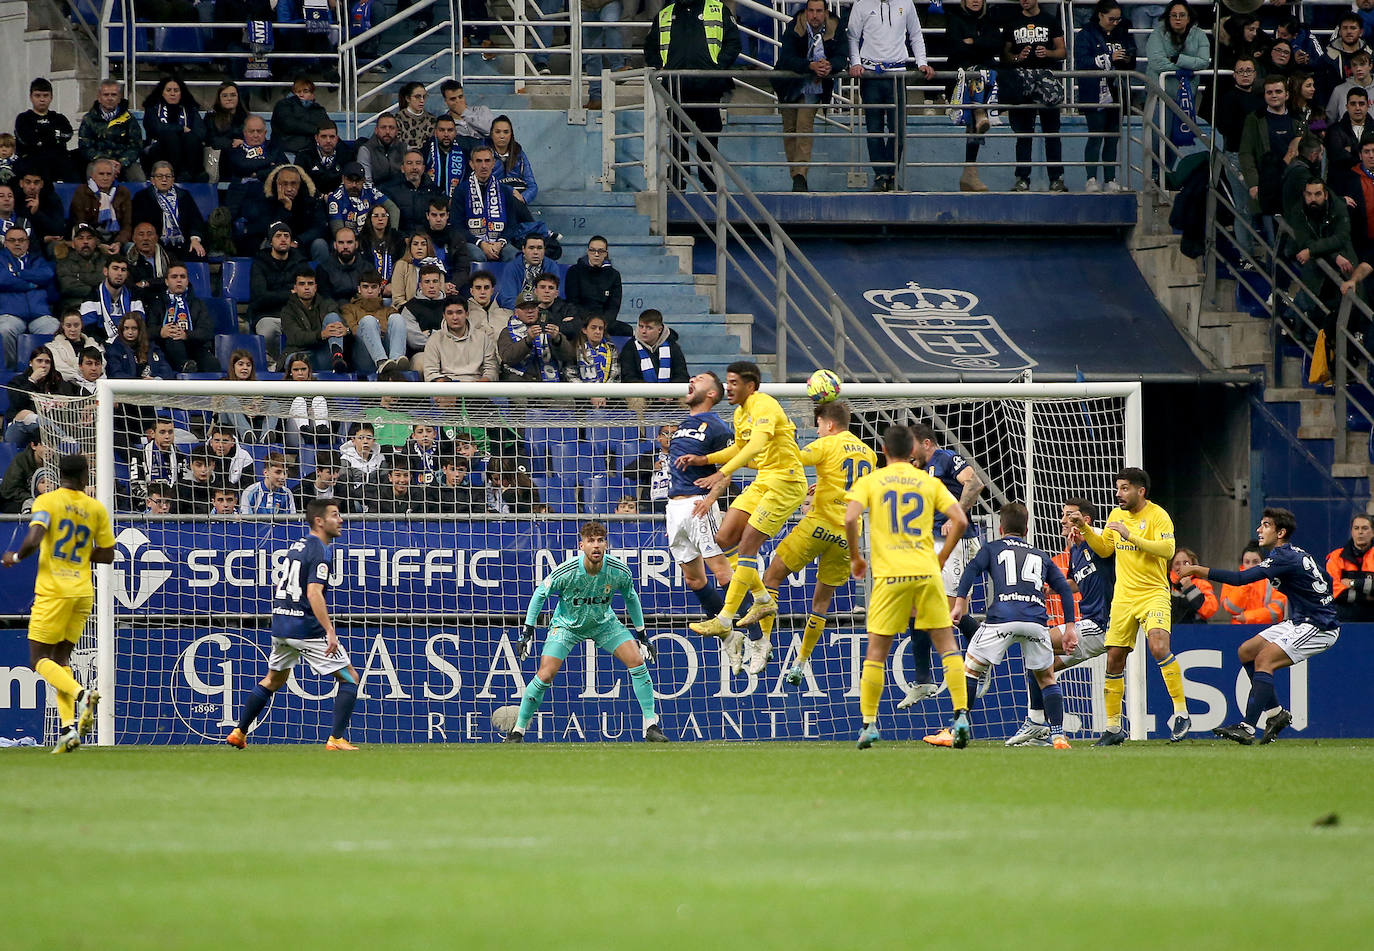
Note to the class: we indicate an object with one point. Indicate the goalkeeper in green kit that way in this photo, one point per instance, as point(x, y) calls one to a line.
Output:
point(585, 584)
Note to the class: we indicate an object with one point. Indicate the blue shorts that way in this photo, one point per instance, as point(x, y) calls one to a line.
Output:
point(608, 637)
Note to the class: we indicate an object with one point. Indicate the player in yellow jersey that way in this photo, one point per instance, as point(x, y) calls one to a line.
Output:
point(71, 531)
point(1140, 535)
point(840, 458)
point(902, 501)
point(766, 440)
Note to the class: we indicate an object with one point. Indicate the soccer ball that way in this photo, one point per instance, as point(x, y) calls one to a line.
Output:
point(823, 386)
point(503, 718)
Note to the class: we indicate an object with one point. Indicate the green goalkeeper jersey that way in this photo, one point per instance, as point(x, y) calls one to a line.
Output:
point(584, 600)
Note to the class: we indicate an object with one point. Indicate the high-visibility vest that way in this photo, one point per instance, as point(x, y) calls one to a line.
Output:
point(713, 22)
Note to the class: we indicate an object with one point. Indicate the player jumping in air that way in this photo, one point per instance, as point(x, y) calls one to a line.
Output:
point(71, 531)
point(1141, 536)
point(901, 501)
point(1311, 629)
point(585, 584)
point(840, 459)
point(1018, 572)
point(301, 628)
point(766, 440)
point(1092, 577)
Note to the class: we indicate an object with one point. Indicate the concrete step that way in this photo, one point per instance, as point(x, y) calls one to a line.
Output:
point(1351, 470)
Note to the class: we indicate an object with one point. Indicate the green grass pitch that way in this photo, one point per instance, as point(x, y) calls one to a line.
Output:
point(691, 846)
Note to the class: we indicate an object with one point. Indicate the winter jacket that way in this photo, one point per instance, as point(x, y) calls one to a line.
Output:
point(295, 122)
point(248, 163)
point(382, 162)
point(1254, 603)
point(122, 364)
point(146, 207)
point(518, 176)
point(594, 291)
point(119, 138)
point(451, 248)
point(48, 220)
point(460, 359)
point(1254, 145)
point(631, 370)
point(14, 488)
point(515, 350)
point(1162, 56)
point(1328, 235)
point(66, 356)
point(1352, 581)
point(202, 328)
point(301, 322)
point(22, 390)
point(154, 126)
point(305, 218)
point(513, 280)
point(427, 314)
point(412, 201)
point(1337, 61)
point(1092, 50)
point(338, 280)
point(85, 208)
point(688, 49)
point(356, 309)
point(222, 137)
point(405, 281)
point(1233, 106)
point(45, 140)
point(415, 130)
point(357, 470)
point(271, 280)
point(28, 285)
point(327, 177)
point(985, 52)
point(585, 368)
point(1193, 604)
point(1343, 148)
point(794, 56)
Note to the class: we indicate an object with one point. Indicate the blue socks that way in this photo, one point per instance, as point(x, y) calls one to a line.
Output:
point(712, 601)
point(920, 656)
point(1037, 698)
point(1054, 707)
point(529, 704)
point(257, 701)
point(343, 707)
point(972, 685)
point(644, 692)
point(1262, 697)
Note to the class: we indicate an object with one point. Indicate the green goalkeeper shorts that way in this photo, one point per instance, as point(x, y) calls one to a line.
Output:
point(562, 640)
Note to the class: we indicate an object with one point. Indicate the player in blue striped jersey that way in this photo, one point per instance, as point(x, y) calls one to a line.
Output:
point(1310, 629)
point(585, 585)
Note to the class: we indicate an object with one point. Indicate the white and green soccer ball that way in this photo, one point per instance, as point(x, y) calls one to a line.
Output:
point(823, 386)
point(503, 718)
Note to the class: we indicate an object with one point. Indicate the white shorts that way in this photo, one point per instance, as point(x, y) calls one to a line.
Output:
point(690, 537)
point(288, 651)
point(1300, 641)
point(1092, 642)
point(990, 644)
point(963, 553)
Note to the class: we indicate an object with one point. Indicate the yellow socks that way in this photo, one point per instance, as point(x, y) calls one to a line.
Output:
point(1115, 689)
point(870, 690)
point(766, 624)
point(1173, 679)
point(64, 683)
point(745, 579)
point(954, 679)
point(815, 625)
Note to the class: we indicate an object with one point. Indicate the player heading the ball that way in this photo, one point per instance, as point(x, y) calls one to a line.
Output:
point(585, 585)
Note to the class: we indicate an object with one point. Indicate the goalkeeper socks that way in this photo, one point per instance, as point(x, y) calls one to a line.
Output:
point(745, 580)
point(920, 656)
point(1173, 679)
point(1036, 707)
point(529, 704)
point(712, 601)
point(815, 624)
point(1054, 708)
point(644, 693)
point(870, 690)
point(954, 679)
point(343, 707)
point(1112, 692)
point(1262, 697)
point(257, 701)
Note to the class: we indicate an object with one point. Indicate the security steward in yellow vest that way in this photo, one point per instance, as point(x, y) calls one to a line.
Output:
point(695, 34)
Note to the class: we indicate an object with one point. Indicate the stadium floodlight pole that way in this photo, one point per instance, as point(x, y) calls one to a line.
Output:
point(104, 605)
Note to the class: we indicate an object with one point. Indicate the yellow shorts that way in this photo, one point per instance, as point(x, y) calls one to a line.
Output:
point(55, 620)
point(897, 602)
point(771, 501)
point(1128, 620)
point(812, 540)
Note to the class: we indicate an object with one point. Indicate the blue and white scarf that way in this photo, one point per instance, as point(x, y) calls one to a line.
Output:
point(486, 209)
point(449, 169)
point(113, 309)
point(171, 115)
point(541, 356)
point(105, 221)
point(178, 312)
point(594, 362)
point(646, 362)
point(811, 89)
point(385, 265)
point(171, 228)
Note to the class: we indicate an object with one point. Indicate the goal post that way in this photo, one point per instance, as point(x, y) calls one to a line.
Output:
point(431, 600)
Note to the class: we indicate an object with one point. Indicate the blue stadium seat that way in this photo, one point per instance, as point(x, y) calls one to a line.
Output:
point(206, 196)
point(573, 461)
point(628, 450)
point(7, 453)
point(199, 273)
point(225, 315)
point(226, 344)
point(28, 343)
point(236, 278)
point(562, 500)
point(65, 191)
point(200, 376)
point(336, 377)
point(600, 493)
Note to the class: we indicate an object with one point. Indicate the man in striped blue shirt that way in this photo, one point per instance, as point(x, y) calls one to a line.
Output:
point(270, 496)
point(585, 585)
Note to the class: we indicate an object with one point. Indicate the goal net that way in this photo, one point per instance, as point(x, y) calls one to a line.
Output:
point(431, 579)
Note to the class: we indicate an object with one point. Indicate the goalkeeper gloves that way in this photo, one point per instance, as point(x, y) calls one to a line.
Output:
point(522, 646)
point(650, 655)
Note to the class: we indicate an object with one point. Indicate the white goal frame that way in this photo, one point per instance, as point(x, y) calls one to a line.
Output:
point(108, 392)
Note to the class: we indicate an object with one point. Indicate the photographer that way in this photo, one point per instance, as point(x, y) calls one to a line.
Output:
point(530, 350)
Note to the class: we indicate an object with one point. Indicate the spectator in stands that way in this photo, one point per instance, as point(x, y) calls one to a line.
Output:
point(39, 202)
point(382, 155)
point(381, 240)
point(1267, 144)
point(1241, 95)
point(362, 461)
point(1278, 59)
point(324, 160)
point(148, 264)
point(40, 379)
point(28, 289)
point(593, 286)
point(1104, 44)
point(1320, 233)
point(272, 278)
point(270, 496)
point(533, 264)
point(447, 239)
point(157, 461)
point(414, 124)
point(974, 39)
point(445, 161)
point(172, 211)
point(245, 416)
point(288, 195)
point(104, 205)
point(1359, 79)
point(110, 301)
point(195, 494)
point(159, 500)
point(1177, 43)
point(1306, 55)
point(225, 501)
point(423, 450)
point(183, 325)
point(391, 423)
point(43, 136)
point(311, 323)
point(224, 121)
point(627, 505)
point(451, 494)
point(1254, 603)
point(595, 359)
point(483, 311)
point(487, 209)
point(1343, 137)
point(355, 198)
point(233, 462)
point(307, 420)
point(1033, 43)
point(470, 121)
point(296, 119)
point(701, 35)
point(1351, 568)
point(652, 355)
point(323, 483)
point(246, 166)
point(424, 312)
point(1345, 43)
point(376, 326)
point(411, 193)
point(16, 486)
point(650, 470)
point(66, 348)
point(457, 352)
point(1239, 37)
point(813, 44)
point(510, 491)
point(1357, 187)
point(11, 215)
point(397, 496)
point(553, 310)
point(109, 131)
point(405, 279)
point(339, 274)
point(1302, 90)
point(531, 351)
point(513, 166)
point(81, 269)
point(174, 130)
point(132, 356)
point(1304, 166)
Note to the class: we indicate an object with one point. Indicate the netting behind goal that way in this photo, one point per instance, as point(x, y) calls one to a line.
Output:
point(429, 603)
